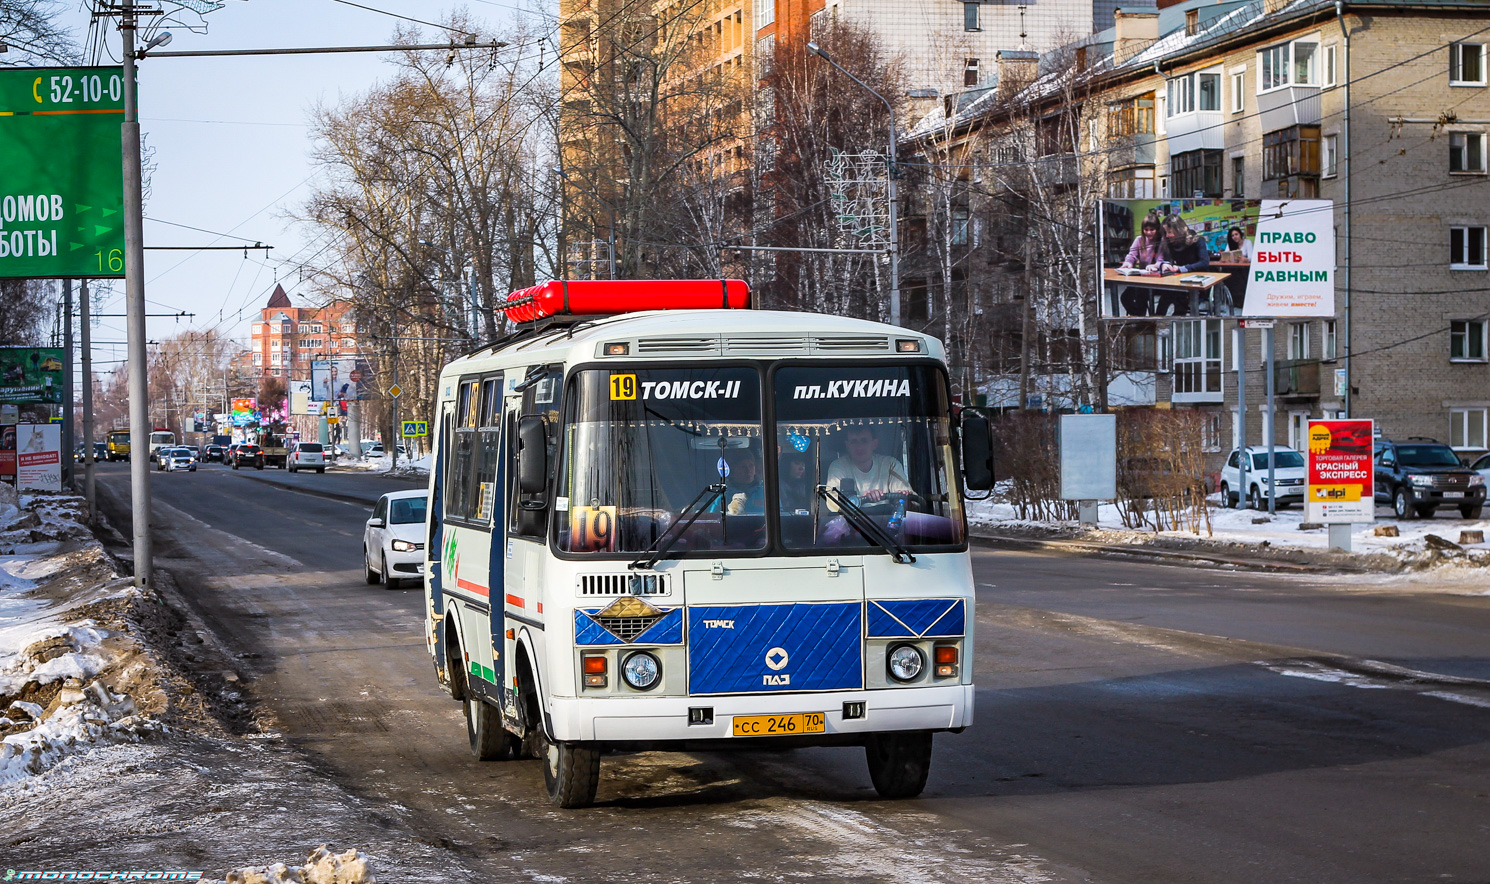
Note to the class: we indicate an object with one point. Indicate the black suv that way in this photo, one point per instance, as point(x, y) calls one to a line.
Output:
point(1418, 475)
point(252, 455)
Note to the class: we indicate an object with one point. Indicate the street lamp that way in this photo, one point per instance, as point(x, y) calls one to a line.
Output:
point(610, 236)
point(890, 171)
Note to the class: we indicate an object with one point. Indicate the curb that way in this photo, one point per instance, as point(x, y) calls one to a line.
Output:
point(1170, 555)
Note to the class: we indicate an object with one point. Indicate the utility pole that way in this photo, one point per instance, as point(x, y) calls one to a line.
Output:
point(68, 470)
point(90, 491)
point(134, 296)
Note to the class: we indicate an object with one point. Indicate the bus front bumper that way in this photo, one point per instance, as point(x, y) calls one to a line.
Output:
point(646, 720)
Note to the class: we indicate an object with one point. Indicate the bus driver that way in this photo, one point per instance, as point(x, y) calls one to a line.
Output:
point(874, 475)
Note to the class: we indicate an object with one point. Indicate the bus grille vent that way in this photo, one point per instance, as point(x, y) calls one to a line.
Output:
point(627, 628)
point(765, 346)
point(851, 343)
point(622, 584)
point(663, 346)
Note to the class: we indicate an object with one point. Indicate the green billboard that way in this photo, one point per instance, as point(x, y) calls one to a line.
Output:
point(61, 172)
point(31, 375)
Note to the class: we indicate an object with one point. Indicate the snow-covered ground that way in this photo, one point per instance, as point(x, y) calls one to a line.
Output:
point(418, 466)
point(1243, 528)
point(113, 757)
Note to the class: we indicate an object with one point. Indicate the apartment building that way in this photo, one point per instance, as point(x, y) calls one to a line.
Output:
point(1381, 107)
point(286, 338)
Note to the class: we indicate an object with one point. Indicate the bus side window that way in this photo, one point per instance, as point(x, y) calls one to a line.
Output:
point(540, 399)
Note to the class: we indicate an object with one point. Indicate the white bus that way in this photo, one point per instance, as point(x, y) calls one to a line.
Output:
point(692, 528)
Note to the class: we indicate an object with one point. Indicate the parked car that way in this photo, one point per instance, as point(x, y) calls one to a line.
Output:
point(1288, 477)
point(1417, 475)
point(1482, 466)
point(178, 458)
point(307, 456)
point(393, 542)
point(247, 453)
point(377, 450)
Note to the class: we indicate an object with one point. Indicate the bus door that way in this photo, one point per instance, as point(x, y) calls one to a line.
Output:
point(434, 543)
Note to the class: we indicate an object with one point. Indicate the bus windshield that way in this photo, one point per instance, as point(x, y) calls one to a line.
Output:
point(643, 444)
point(881, 437)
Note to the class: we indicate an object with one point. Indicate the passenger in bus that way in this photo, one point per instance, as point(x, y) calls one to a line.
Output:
point(796, 486)
point(745, 493)
point(874, 475)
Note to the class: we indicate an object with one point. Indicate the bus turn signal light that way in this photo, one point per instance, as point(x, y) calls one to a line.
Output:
point(946, 661)
point(594, 667)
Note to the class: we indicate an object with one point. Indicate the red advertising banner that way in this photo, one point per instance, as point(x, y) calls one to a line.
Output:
point(1341, 479)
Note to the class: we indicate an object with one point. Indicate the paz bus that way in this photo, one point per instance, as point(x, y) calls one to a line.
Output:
point(660, 520)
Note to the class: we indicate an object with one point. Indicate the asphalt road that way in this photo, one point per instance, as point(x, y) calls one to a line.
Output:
point(1135, 723)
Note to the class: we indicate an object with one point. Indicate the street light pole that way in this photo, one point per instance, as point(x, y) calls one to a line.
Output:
point(890, 190)
point(134, 295)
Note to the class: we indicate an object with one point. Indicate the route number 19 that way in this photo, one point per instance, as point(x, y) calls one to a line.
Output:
point(623, 386)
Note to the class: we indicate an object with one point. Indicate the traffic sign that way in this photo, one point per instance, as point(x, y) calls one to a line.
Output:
point(395, 391)
point(332, 419)
point(415, 428)
point(62, 199)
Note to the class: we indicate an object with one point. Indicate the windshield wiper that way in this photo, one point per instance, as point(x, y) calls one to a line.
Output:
point(865, 525)
point(664, 544)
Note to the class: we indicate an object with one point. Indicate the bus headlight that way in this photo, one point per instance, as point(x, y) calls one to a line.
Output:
point(905, 662)
point(642, 671)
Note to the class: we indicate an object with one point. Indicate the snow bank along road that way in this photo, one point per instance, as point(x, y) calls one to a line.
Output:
point(1135, 723)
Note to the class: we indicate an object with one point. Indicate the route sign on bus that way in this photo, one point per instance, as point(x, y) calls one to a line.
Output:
point(62, 192)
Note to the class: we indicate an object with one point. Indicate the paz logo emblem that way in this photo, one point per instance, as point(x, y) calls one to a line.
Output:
point(776, 658)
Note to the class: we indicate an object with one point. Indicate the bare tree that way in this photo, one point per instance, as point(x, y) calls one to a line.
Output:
point(28, 304)
point(30, 34)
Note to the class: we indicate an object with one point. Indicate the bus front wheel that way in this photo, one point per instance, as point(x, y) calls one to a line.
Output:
point(571, 771)
point(899, 762)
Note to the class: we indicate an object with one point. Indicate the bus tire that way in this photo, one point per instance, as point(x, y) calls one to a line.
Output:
point(489, 740)
point(899, 762)
point(571, 771)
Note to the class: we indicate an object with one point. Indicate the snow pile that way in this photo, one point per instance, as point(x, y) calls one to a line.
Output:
point(322, 867)
point(10, 505)
point(1417, 543)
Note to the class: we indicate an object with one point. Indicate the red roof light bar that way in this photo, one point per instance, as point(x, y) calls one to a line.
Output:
point(607, 297)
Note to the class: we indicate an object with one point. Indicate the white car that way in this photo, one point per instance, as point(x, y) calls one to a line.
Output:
point(393, 542)
point(307, 456)
point(1288, 474)
point(172, 459)
point(1482, 466)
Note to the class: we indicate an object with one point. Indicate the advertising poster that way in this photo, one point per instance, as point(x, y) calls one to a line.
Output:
point(245, 412)
point(300, 398)
point(39, 457)
point(1217, 257)
point(1341, 482)
point(334, 379)
point(8, 453)
point(30, 375)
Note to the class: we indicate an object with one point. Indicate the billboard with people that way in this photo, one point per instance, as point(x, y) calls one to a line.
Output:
point(341, 379)
point(1217, 257)
point(31, 375)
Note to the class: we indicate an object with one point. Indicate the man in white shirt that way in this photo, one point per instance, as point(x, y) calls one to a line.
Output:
point(874, 475)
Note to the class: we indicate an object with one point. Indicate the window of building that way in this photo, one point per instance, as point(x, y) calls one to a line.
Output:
point(1298, 340)
point(1196, 173)
point(1467, 340)
point(1288, 64)
point(1466, 64)
point(959, 231)
point(1329, 155)
point(258, 359)
point(765, 13)
point(1192, 22)
point(1208, 92)
point(1238, 90)
point(1197, 360)
point(970, 71)
point(1131, 116)
point(1132, 183)
point(970, 17)
point(1467, 427)
point(316, 327)
point(1330, 53)
point(1467, 152)
point(1331, 340)
point(1291, 151)
point(1181, 96)
point(1466, 248)
point(274, 345)
point(1238, 176)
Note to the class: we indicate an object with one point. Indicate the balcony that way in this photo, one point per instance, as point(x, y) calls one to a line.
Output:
point(1296, 379)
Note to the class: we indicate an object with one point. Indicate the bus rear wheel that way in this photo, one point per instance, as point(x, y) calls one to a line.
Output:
point(489, 740)
point(899, 762)
point(571, 771)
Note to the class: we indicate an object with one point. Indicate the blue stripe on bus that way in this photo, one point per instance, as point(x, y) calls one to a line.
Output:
point(916, 618)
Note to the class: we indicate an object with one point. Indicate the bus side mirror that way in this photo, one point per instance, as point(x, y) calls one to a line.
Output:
point(532, 455)
point(977, 452)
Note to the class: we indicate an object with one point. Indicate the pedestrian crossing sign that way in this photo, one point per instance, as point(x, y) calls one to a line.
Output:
point(415, 428)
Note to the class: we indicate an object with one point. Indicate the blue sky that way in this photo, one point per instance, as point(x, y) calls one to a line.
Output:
point(232, 153)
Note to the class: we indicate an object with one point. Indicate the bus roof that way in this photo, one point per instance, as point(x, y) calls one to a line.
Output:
point(675, 334)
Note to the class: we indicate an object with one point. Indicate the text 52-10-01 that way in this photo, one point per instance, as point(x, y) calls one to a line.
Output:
point(86, 88)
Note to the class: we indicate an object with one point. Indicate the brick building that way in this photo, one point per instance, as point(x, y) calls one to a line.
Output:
point(286, 338)
point(1379, 106)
